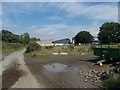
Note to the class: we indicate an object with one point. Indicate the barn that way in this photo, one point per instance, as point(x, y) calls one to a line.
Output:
point(61, 42)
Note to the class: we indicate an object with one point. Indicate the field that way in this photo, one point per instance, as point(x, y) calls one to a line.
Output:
point(70, 50)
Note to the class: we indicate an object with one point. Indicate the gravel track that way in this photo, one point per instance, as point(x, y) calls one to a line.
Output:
point(15, 73)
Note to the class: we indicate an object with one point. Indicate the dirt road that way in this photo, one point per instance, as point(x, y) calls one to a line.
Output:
point(64, 71)
point(16, 57)
point(48, 72)
point(15, 72)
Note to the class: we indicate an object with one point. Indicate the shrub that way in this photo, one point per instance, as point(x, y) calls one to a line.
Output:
point(48, 47)
point(113, 82)
point(32, 46)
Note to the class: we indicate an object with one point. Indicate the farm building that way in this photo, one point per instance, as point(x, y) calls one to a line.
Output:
point(62, 42)
point(45, 43)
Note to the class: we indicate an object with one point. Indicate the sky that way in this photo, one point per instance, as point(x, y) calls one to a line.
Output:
point(57, 20)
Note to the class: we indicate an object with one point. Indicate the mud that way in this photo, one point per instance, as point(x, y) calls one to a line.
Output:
point(64, 71)
point(15, 73)
point(10, 76)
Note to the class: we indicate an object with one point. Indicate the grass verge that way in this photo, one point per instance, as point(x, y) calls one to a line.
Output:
point(70, 50)
point(113, 82)
point(8, 48)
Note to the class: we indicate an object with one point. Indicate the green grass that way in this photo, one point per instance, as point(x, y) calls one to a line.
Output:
point(114, 79)
point(76, 50)
point(8, 48)
point(113, 82)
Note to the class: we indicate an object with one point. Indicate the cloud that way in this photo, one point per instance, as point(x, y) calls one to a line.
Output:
point(59, 31)
point(7, 25)
point(43, 32)
point(33, 27)
point(96, 12)
point(0, 15)
point(103, 12)
point(23, 7)
point(53, 18)
point(60, 1)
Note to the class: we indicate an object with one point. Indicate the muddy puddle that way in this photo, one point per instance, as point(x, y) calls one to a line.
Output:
point(55, 69)
point(63, 71)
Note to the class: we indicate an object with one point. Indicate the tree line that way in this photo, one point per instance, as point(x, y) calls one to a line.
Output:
point(24, 38)
point(109, 33)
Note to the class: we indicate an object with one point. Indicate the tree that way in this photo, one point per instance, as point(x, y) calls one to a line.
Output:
point(33, 39)
point(8, 36)
point(24, 38)
point(0, 36)
point(83, 37)
point(32, 46)
point(38, 39)
point(109, 33)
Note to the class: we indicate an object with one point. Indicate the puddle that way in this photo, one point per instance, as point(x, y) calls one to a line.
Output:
point(56, 71)
point(72, 69)
point(55, 67)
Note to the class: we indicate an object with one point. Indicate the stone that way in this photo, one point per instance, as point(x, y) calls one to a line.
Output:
point(86, 77)
point(86, 80)
point(99, 81)
point(80, 71)
point(92, 83)
point(93, 70)
point(98, 74)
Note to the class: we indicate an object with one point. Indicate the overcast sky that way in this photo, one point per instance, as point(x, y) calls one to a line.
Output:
point(57, 20)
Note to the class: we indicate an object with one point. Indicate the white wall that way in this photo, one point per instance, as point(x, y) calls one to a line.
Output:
point(59, 44)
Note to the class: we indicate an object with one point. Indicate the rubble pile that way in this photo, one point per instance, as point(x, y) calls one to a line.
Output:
point(92, 76)
point(95, 77)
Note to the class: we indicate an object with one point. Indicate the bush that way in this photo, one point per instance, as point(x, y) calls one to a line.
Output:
point(32, 46)
point(48, 47)
point(113, 82)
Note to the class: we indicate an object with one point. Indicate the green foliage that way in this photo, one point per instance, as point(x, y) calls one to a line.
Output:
point(6, 45)
point(70, 50)
point(109, 33)
point(7, 48)
point(32, 46)
point(25, 38)
point(113, 82)
point(33, 39)
point(83, 37)
point(38, 39)
point(0, 36)
point(8, 36)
